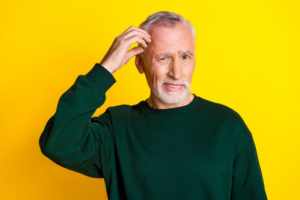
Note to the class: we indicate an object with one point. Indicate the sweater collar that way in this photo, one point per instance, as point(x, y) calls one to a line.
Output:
point(170, 111)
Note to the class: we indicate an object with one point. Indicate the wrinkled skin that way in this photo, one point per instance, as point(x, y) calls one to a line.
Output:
point(168, 59)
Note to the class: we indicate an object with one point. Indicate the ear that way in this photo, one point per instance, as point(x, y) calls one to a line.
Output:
point(139, 63)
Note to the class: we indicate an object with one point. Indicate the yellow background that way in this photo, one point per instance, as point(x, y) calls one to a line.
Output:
point(248, 56)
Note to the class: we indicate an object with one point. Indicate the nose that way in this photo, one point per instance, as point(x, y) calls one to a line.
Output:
point(175, 70)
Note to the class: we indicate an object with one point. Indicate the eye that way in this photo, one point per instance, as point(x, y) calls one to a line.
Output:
point(163, 58)
point(185, 57)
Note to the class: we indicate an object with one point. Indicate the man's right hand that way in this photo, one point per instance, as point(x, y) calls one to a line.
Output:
point(118, 54)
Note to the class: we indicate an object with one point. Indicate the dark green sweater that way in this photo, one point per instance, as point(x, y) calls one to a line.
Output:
point(203, 150)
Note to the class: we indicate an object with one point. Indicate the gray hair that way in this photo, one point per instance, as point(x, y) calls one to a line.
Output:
point(168, 19)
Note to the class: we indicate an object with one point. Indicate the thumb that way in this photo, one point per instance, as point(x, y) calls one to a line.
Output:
point(132, 52)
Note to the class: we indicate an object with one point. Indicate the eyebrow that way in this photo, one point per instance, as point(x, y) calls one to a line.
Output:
point(170, 53)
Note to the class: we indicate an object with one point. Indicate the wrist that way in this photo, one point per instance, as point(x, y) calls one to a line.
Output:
point(107, 66)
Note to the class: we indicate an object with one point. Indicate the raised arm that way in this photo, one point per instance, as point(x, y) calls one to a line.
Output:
point(72, 138)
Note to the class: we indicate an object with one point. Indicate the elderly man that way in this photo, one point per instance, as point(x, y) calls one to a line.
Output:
point(173, 145)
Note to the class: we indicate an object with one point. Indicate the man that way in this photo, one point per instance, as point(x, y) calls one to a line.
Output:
point(174, 145)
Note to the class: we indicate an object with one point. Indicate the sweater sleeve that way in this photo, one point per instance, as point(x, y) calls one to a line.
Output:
point(247, 181)
point(71, 137)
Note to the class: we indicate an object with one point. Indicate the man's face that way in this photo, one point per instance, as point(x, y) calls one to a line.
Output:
point(169, 62)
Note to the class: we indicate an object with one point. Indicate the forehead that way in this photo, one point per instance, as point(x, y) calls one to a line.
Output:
point(170, 39)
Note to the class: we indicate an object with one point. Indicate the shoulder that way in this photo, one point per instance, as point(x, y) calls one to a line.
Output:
point(226, 119)
point(222, 115)
point(217, 110)
point(123, 110)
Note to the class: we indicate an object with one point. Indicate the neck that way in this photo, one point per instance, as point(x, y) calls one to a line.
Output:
point(155, 103)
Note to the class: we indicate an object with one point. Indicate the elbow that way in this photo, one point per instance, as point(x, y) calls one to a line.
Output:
point(45, 149)
point(45, 141)
point(59, 153)
point(52, 153)
point(48, 149)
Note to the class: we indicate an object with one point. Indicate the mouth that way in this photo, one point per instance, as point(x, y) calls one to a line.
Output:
point(173, 87)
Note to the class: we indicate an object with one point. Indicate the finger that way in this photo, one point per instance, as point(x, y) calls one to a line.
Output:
point(142, 36)
point(133, 28)
point(134, 39)
point(134, 33)
point(133, 52)
point(137, 29)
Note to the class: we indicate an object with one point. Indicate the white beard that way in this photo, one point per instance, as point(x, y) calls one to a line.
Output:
point(171, 97)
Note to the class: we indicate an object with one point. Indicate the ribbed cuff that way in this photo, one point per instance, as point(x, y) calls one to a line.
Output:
point(101, 77)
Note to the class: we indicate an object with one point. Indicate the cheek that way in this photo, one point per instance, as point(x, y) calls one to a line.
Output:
point(188, 71)
point(157, 73)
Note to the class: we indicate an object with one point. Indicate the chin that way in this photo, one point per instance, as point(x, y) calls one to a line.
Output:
point(171, 97)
